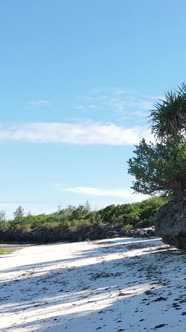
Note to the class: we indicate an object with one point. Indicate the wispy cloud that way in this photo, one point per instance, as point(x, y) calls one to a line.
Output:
point(85, 107)
point(125, 194)
point(120, 101)
point(39, 102)
point(87, 133)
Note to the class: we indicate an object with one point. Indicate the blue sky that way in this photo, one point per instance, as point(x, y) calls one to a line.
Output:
point(78, 79)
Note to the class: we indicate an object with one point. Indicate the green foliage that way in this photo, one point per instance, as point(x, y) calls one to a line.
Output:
point(134, 213)
point(169, 117)
point(77, 223)
point(4, 225)
point(161, 167)
point(19, 213)
point(127, 227)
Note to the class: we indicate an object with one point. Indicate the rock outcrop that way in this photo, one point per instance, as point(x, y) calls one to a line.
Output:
point(170, 223)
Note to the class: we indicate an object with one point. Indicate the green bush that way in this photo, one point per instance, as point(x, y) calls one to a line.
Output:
point(72, 224)
point(127, 227)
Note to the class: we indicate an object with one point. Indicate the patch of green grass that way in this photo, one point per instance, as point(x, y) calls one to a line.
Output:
point(5, 251)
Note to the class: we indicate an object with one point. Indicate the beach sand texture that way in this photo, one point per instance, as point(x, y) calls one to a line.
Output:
point(121, 284)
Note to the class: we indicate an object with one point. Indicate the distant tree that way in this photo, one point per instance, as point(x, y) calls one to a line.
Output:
point(57, 214)
point(2, 215)
point(79, 213)
point(87, 206)
point(29, 214)
point(19, 213)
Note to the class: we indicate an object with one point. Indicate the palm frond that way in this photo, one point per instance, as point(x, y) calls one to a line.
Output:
point(169, 116)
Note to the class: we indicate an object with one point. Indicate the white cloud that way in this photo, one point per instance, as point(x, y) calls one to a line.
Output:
point(40, 102)
point(87, 133)
point(85, 107)
point(122, 103)
point(158, 98)
point(118, 91)
point(126, 194)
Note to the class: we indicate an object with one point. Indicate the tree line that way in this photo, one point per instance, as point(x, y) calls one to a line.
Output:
point(79, 223)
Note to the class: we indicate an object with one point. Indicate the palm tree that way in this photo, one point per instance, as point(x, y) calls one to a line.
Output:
point(169, 117)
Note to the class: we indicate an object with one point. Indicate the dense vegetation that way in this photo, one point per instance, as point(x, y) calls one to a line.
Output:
point(161, 167)
point(79, 223)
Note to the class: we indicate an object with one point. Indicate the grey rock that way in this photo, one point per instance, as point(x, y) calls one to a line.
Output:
point(170, 223)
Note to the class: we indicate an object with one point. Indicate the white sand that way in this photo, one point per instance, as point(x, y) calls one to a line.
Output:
point(112, 285)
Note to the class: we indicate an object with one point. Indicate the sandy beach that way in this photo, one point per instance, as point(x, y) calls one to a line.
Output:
point(122, 284)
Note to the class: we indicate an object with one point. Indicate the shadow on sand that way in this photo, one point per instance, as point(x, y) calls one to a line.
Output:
point(114, 293)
